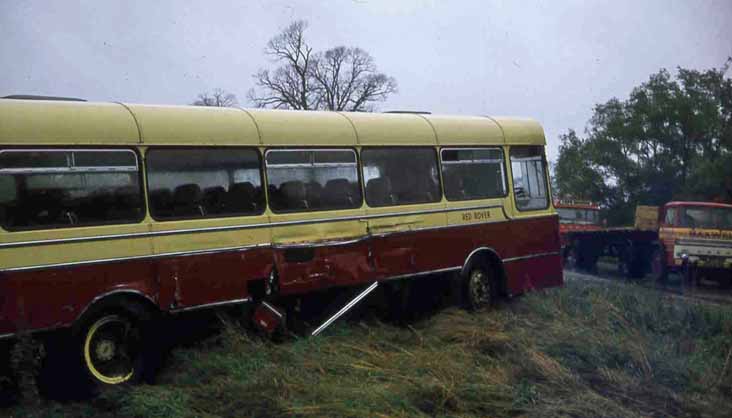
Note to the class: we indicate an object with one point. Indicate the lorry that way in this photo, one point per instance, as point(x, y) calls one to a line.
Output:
point(686, 237)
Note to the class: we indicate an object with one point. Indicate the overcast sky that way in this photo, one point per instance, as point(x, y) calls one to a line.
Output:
point(550, 60)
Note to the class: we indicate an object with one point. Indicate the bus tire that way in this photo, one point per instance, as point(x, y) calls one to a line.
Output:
point(480, 287)
point(113, 345)
point(659, 270)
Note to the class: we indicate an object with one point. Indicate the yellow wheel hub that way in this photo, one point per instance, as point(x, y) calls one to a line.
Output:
point(103, 346)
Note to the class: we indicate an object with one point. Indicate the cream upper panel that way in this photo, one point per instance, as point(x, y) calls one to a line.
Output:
point(40, 122)
point(391, 129)
point(194, 125)
point(300, 128)
point(521, 131)
point(466, 130)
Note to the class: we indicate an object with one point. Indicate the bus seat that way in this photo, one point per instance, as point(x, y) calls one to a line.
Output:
point(161, 202)
point(454, 187)
point(314, 194)
point(213, 199)
point(128, 203)
point(187, 200)
point(293, 195)
point(46, 207)
point(241, 197)
point(338, 194)
point(379, 192)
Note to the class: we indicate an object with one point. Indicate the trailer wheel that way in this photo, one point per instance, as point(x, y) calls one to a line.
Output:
point(659, 270)
point(480, 288)
point(570, 258)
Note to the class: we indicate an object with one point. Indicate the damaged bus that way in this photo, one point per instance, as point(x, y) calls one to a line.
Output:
point(114, 214)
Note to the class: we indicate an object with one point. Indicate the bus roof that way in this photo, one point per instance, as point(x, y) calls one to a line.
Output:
point(41, 122)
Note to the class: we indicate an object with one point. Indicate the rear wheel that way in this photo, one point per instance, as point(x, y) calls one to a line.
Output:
point(659, 270)
point(116, 344)
point(624, 264)
point(480, 288)
point(112, 350)
point(570, 258)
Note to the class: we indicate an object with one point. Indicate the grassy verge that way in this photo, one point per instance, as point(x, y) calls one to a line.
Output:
point(586, 350)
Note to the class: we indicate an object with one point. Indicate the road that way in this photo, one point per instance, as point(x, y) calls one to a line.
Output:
point(706, 292)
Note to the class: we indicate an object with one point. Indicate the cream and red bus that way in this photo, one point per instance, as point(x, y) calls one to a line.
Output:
point(112, 214)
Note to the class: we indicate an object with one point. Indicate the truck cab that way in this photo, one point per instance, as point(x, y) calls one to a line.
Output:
point(695, 238)
point(577, 215)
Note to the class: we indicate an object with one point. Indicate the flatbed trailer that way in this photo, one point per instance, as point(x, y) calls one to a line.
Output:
point(632, 247)
point(691, 238)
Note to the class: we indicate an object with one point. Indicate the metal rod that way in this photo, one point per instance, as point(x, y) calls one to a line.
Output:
point(345, 309)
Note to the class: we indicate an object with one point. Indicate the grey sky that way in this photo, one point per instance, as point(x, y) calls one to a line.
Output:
point(550, 60)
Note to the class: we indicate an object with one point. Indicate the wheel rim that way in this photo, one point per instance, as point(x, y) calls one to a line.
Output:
point(480, 289)
point(110, 350)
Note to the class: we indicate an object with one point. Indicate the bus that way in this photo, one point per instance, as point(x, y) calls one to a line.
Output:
point(112, 214)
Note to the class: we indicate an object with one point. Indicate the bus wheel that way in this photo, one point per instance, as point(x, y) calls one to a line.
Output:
point(112, 349)
point(480, 288)
point(659, 272)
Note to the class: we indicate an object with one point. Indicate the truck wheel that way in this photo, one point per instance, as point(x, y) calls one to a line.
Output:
point(623, 266)
point(659, 270)
point(480, 288)
point(570, 259)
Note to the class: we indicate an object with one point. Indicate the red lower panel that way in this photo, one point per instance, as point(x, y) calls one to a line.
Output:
point(55, 297)
point(533, 273)
point(404, 253)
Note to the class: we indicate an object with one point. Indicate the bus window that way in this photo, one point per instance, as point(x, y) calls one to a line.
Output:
point(473, 173)
point(62, 188)
point(400, 176)
point(529, 177)
point(311, 179)
point(189, 183)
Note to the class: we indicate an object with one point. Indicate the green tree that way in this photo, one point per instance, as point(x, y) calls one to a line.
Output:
point(670, 139)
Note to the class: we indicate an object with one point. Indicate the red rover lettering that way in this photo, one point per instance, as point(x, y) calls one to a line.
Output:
point(476, 216)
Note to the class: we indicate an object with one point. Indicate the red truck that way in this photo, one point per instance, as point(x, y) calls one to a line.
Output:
point(692, 238)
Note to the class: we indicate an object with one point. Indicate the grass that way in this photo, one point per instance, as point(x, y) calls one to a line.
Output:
point(586, 350)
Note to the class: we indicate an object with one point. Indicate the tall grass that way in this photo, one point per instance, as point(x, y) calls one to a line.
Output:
point(586, 350)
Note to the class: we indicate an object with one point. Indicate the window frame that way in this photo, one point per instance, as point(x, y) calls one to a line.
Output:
point(504, 172)
point(140, 170)
point(359, 177)
point(434, 149)
point(262, 179)
point(545, 168)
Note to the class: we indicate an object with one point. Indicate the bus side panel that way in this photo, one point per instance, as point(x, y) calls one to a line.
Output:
point(534, 273)
point(55, 297)
point(529, 247)
point(531, 254)
point(192, 280)
point(336, 265)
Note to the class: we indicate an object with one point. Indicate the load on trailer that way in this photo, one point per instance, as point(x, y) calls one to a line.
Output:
point(692, 238)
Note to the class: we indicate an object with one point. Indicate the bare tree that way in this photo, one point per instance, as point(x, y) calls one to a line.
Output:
point(216, 98)
point(340, 78)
